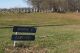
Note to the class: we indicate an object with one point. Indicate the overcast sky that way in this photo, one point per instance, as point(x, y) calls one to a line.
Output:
point(12, 3)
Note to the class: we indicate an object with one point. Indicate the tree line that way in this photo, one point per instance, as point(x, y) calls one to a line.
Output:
point(47, 6)
point(16, 10)
point(55, 5)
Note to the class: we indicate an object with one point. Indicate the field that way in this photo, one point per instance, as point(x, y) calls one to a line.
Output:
point(56, 33)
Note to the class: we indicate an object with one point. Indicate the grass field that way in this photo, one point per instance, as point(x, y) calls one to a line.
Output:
point(57, 33)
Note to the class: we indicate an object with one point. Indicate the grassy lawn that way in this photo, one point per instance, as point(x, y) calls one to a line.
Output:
point(59, 33)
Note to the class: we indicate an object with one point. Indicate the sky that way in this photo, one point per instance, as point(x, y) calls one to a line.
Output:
point(13, 3)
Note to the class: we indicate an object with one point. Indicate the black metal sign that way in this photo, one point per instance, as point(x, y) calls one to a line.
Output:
point(23, 37)
point(24, 29)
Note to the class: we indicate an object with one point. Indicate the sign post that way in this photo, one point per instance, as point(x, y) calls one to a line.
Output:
point(15, 41)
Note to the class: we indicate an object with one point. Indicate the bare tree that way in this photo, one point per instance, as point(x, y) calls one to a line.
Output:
point(56, 5)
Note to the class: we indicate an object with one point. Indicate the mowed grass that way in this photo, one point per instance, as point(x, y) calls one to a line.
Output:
point(61, 36)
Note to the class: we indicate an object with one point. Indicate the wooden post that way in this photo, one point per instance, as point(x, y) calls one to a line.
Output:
point(14, 43)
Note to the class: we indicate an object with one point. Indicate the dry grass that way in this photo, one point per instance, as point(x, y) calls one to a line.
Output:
point(40, 19)
point(34, 49)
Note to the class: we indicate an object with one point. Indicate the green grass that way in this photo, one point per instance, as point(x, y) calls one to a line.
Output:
point(57, 39)
point(64, 38)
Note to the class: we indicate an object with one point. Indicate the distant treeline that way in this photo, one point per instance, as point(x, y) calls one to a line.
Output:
point(17, 10)
point(55, 5)
point(21, 10)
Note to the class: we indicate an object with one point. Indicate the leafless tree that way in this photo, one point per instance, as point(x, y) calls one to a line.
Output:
point(56, 5)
